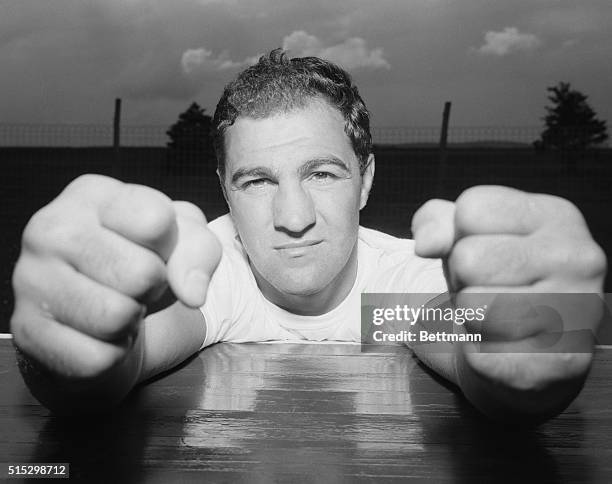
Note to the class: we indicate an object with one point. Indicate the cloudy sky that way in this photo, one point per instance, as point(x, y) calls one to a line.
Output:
point(64, 61)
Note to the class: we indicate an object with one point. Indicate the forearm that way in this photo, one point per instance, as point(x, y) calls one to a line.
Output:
point(169, 337)
point(70, 396)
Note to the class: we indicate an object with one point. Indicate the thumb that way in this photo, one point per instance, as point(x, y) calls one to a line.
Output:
point(433, 229)
point(195, 256)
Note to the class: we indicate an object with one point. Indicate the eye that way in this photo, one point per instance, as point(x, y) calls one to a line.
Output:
point(322, 176)
point(256, 183)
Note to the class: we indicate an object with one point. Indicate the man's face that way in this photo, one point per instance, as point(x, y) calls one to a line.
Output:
point(294, 190)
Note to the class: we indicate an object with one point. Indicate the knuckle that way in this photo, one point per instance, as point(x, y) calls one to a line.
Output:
point(44, 227)
point(468, 207)
point(90, 189)
point(435, 210)
point(101, 357)
point(188, 209)
point(565, 209)
point(145, 274)
point(559, 212)
point(100, 360)
point(117, 317)
point(592, 260)
point(583, 258)
point(471, 194)
point(18, 326)
point(432, 205)
point(537, 372)
point(22, 278)
point(25, 328)
point(29, 280)
point(84, 182)
point(155, 215)
point(463, 260)
point(472, 197)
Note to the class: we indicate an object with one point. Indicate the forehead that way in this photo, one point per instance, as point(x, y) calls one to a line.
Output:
point(317, 130)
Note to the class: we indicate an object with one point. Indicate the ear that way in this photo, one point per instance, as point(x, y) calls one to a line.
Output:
point(222, 183)
point(366, 181)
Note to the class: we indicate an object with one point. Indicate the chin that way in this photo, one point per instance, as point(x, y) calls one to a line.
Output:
point(299, 288)
point(301, 285)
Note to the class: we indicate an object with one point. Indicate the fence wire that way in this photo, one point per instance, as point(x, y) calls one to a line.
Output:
point(37, 161)
point(88, 135)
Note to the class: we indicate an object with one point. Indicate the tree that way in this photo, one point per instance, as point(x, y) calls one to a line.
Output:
point(190, 143)
point(571, 123)
point(191, 131)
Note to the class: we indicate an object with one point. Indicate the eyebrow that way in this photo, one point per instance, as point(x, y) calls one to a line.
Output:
point(258, 171)
point(310, 165)
point(315, 163)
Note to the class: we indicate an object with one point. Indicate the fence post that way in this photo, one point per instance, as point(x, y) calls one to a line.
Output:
point(442, 150)
point(116, 167)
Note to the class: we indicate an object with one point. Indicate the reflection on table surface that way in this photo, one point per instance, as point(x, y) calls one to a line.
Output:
point(307, 413)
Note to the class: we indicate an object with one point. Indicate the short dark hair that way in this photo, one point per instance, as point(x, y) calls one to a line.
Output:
point(279, 84)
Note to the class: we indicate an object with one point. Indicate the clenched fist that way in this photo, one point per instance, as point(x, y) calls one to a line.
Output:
point(506, 242)
point(91, 262)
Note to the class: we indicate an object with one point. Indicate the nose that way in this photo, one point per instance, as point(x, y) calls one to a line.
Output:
point(293, 209)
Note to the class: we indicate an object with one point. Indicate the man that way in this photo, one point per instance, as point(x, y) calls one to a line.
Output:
point(289, 262)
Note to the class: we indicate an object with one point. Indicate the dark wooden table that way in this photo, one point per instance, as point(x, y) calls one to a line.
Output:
point(306, 413)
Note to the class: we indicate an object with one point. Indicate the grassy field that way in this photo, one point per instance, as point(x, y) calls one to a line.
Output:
point(405, 178)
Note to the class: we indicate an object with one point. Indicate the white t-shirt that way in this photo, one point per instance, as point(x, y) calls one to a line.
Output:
point(236, 310)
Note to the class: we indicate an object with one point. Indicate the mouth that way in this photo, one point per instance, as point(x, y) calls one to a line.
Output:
point(298, 245)
point(294, 250)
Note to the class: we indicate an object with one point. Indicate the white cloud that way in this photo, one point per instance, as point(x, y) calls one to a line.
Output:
point(197, 59)
point(353, 53)
point(507, 41)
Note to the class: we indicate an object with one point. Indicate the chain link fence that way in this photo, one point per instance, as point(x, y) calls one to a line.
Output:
point(37, 161)
point(72, 135)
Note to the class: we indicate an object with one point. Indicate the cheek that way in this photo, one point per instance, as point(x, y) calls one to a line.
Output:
point(252, 217)
point(339, 207)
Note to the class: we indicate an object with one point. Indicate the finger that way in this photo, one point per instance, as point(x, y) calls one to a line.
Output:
point(519, 313)
point(501, 260)
point(75, 300)
point(195, 257)
point(92, 190)
point(510, 314)
point(433, 228)
point(508, 365)
point(189, 210)
point(144, 216)
point(498, 210)
point(62, 349)
point(511, 260)
point(116, 262)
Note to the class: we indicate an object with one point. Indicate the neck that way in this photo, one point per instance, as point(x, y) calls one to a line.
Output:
point(320, 302)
